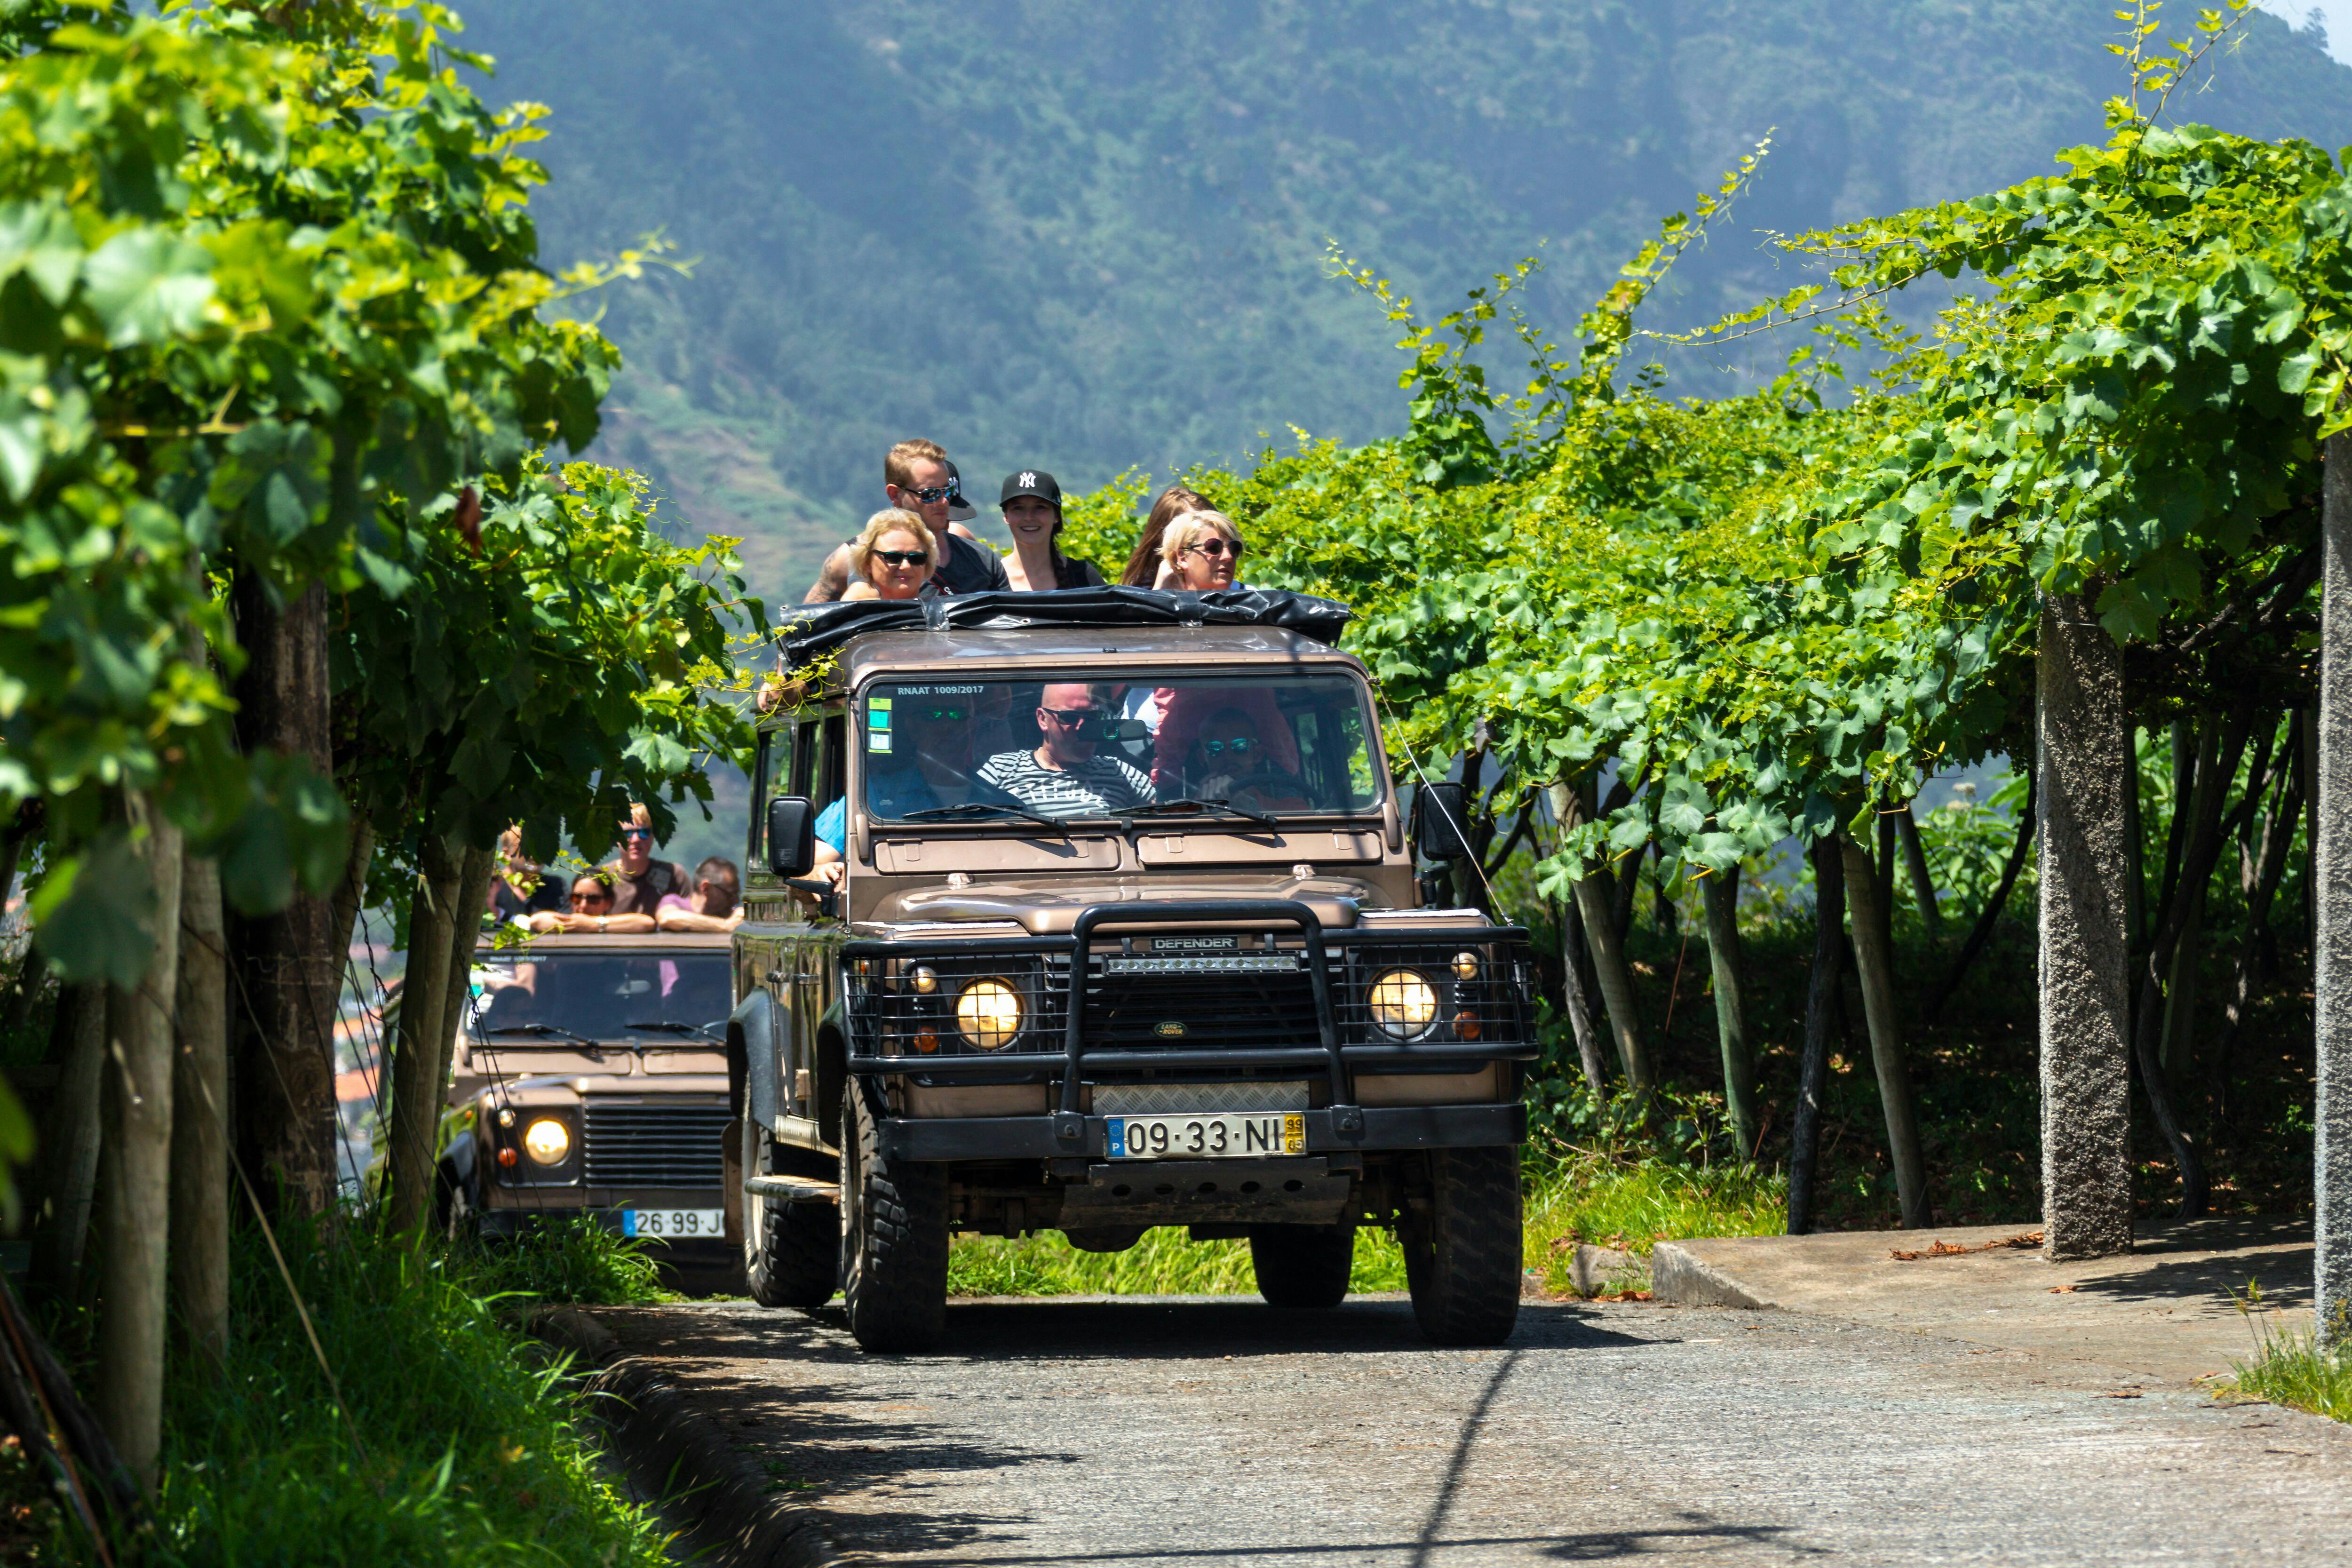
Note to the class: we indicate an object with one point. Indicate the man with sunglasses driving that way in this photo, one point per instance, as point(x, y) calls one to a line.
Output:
point(1064, 777)
point(917, 478)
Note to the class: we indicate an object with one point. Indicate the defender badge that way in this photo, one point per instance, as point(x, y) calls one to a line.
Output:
point(1171, 1030)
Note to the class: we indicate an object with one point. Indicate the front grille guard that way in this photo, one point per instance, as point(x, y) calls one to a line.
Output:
point(1339, 965)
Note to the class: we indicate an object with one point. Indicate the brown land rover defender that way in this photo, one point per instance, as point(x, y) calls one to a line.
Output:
point(1126, 933)
point(595, 1069)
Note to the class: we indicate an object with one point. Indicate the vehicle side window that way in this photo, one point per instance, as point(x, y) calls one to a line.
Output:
point(831, 770)
point(804, 758)
point(772, 743)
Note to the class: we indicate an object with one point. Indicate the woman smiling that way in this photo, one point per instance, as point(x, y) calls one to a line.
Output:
point(896, 553)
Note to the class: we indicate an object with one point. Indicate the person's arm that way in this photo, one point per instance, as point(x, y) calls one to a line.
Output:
point(695, 919)
point(609, 925)
point(830, 583)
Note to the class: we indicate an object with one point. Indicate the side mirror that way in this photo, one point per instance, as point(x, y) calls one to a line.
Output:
point(792, 836)
point(1440, 820)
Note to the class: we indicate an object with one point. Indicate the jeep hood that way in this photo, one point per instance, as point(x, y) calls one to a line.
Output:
point(1044, 908)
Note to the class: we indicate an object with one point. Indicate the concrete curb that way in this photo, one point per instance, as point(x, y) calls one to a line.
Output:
point(729, 1501)
point(1680, 1279)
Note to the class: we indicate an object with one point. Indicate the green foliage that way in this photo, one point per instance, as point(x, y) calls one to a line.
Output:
point(551, 675)
point(1164, 1263)
point(574, 1262)
point(2291, 1367)
point(444, 1436)
point(267, 292)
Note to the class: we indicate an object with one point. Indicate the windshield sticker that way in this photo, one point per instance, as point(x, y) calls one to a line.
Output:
point(878, 740)
point(928, 691)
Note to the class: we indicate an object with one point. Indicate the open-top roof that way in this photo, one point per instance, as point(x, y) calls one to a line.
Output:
point(814, 630)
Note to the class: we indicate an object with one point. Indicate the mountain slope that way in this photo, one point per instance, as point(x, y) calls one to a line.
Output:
point(1086, 236)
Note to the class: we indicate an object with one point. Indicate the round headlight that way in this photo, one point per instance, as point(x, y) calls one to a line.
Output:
point(989, 1014)
point(1402, 1003)
point(924, 978)
point(547, 1140)
point(1466, 966)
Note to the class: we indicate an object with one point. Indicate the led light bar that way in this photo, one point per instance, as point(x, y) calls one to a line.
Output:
point(1224, 964)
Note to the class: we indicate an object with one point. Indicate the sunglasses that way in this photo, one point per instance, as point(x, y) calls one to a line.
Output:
point(637, 833)
point(1213, 548)
point(1073, 718)
point(944, 715)
point(1240, 746)
point(903, 557)
point(591, 898)
point(930, 494)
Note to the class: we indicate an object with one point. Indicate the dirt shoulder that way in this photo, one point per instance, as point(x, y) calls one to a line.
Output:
point(2163, 1313)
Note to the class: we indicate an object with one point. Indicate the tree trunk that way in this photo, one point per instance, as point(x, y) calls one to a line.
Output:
point(2178, 1034)
point(1875, 958)
point(2135, 847)
point(1598, 908)
point(1721, 896)
point(1982, 932)
point(285, 979)
point(350, 893)
point(420, 1060)
point(2079, 769)
point(2331, 879)
point(70, 1140)
point(1593, 903)
point(200, 1115)
point(1562, 798)
point(1821, 1001)
point(2201, 851)
point(1923, 880)
point(137, 1096)
point(2269, 864)
point(1883, 878)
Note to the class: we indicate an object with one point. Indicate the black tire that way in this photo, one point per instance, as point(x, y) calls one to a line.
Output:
point(1303, 1267)
point(792, 1252)
point(1462, 1257)
point(894, 1236)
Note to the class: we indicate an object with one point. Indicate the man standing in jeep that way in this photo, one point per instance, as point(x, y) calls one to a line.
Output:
point(918, 477)
point(639, 881)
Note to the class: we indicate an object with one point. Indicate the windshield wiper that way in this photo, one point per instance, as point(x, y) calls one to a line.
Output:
point(1188, 805)
point(974, 808)
point(595, 1051)
point(675, 1027)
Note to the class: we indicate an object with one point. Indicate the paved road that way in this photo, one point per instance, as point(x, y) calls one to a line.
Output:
point(1206, 1431)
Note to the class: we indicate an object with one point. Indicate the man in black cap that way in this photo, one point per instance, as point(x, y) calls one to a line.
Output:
point(916, 475)
point(1032, 510)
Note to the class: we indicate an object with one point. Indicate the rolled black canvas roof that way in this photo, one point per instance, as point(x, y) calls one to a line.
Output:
point(812, 631)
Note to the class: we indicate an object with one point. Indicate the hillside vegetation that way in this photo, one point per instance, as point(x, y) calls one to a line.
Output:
point(1086, 237)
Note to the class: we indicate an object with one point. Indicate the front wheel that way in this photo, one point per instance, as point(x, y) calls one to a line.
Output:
point(1303, 1267)
point(894, 1236)
point(1460, 1245)
point(792, 1252)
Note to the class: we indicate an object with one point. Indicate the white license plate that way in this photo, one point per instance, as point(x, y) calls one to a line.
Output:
point(1227, 1135)
point(672, 1224)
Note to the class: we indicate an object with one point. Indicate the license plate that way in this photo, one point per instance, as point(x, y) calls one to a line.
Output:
point(671, 1224)
point(1229, 1135)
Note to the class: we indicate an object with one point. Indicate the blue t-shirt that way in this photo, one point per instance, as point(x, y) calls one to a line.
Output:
point(894, 793)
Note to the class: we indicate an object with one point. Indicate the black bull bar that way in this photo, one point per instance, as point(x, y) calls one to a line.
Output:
point(1341, 1124)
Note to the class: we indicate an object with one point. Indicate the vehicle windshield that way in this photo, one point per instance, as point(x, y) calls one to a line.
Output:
point(537, 996)
point(1244, 747)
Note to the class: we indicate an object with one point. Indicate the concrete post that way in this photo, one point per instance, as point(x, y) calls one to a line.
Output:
point(2084, 964)
point(2331, 883)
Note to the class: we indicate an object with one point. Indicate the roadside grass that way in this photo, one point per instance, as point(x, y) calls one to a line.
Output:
point(575, 1261)
point(1611, 1197)
point(2291, 1367)
point(446, 1434)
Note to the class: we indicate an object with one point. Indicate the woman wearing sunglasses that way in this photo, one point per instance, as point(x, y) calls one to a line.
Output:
point(896, 554)
point(1201, 551)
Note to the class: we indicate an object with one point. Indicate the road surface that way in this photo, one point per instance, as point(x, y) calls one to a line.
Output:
point(1199, 1431)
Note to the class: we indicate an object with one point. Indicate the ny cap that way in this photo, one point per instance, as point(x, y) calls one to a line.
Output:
point(1031, 482)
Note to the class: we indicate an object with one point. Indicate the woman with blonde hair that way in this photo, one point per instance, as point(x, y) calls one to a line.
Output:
point(1144, 566)
point(1201, 552)
point(897, 555)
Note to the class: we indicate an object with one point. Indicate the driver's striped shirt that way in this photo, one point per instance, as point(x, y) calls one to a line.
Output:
point(1096, 787)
